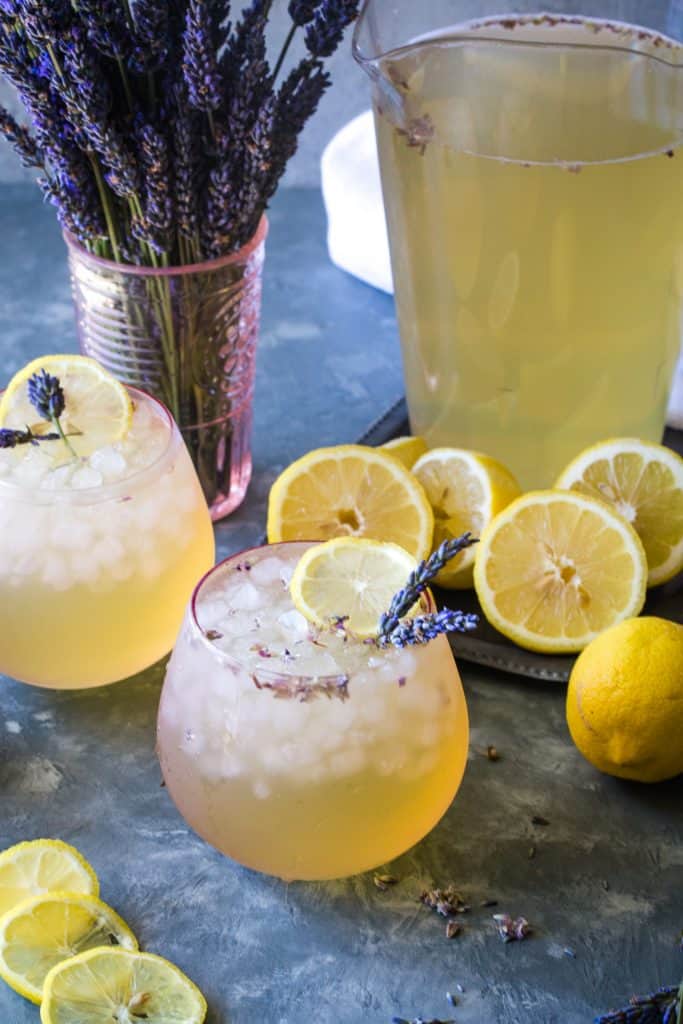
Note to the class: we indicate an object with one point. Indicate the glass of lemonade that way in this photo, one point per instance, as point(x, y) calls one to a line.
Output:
point(98, 554)
point(304, 753)
point(532, 172)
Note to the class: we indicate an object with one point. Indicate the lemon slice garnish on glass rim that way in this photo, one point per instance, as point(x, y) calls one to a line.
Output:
point(556, 568)
point(43, 866)
point(98, 410)
point(644, 481)
point(106, 985)
point(44, 930)
point(350, 491)
point(349, 577)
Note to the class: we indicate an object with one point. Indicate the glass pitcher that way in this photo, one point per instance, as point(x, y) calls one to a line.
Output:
point(532, 172)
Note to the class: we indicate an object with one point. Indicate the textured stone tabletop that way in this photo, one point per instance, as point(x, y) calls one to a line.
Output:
point(600, 883)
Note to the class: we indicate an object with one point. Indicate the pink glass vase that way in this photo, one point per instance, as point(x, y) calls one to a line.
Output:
point(188, 335)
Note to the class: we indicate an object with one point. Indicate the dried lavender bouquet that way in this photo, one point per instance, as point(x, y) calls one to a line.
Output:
point(160, 130)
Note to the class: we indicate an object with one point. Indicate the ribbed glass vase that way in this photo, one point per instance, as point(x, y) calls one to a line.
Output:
point(188, 335)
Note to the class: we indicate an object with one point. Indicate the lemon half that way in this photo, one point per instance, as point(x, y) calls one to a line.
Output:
point(466, 490)
point(556, 568)
point(354, 491)
point(644, 482)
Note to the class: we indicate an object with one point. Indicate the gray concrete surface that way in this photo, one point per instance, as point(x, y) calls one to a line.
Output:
point(605, 880)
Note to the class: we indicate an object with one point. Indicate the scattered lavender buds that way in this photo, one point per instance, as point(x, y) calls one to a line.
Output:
point(448, 902)
point(453, 928)
point(384, 882)
point(659, 1007)
point(420, 1020)
point(510, 929)
point(396, 631)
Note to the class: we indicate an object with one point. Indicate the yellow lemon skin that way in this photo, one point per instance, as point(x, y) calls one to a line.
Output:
point(625, 700)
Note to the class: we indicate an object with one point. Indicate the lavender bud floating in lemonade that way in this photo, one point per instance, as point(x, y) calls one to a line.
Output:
point(103, 526)
point(309, 726)
point(533, 184)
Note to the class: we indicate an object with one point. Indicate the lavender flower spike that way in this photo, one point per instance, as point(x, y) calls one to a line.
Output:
point(419, 579)
point(426, 627)
point(200, 63)
point(20, 139)
point(325, 33)
point(302, 11)
point(46, 395)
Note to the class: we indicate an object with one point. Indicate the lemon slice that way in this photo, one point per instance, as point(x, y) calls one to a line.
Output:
point(44, 930)
point(107, 985)
point(349, 577)
point(98, 409)
point(407, 449)
point(556, 568)
point(466, 490)
point(644, 481)
point(43, 866)
point(350, 490)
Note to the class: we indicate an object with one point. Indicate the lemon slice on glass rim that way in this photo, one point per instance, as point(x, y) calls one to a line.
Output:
point(98, 410)
point(350, 578)
point(43, 866)
point(105, 985)
point(41, 932)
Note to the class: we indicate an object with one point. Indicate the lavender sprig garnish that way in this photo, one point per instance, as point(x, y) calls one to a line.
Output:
point(13, 438)
point(423, 628)
point(660, 1007)
point(46, 395)
point(20, 139)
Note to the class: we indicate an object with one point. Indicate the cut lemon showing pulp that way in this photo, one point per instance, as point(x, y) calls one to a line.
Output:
point(350, 490)
point(107, 985)
point(466, 490)
point(644, 481)
point(98, 409)
point(407, 449)
point(352, 578)
point(556, 568)
point(44, 930)
point(43, 866)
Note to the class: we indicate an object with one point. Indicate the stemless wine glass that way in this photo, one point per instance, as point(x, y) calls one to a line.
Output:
point(98, 555)
point(532, 173)
point(301, 753)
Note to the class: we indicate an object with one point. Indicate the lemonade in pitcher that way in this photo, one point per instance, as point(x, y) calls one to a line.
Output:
point(533, 184)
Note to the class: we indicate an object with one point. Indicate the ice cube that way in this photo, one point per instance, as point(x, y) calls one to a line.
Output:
point(56, 573)
point(32, 468)
point(59, 478)
point(68, 532)
point(109, 551)
point(245, 596)
point(266, 572)
point(286, 573)
point(293, 624)
point(348, 762)
point(109, 462)
point(84, 477)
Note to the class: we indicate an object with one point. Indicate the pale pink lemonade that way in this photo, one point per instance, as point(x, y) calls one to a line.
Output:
point(297, 753)
point(99, 554)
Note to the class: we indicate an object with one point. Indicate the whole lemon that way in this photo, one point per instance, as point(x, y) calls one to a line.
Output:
point(625, 700)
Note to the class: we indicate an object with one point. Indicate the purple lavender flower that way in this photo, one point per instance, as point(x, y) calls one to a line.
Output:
point(325, 32)
point(152, 39)
point(20, 139)
point(186, 136)
point(302, 11)
point(43, 21)
point(12, 438)
point(46, 395)
point(157, 203)
point(424, 628)
point(106, 27)
point(200, 60)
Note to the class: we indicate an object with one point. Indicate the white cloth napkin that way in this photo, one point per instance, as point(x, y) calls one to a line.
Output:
point(356, 230)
